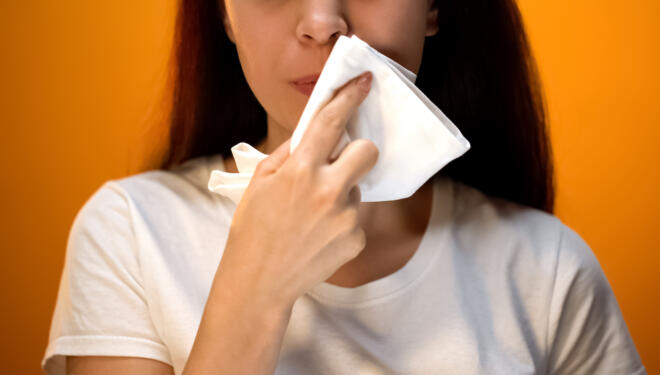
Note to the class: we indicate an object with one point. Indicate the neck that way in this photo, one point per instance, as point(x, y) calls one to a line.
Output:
point(276, 135)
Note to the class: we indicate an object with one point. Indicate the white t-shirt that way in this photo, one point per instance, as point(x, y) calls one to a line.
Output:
point(494, 288)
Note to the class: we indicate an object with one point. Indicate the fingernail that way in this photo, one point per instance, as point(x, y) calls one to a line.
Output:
point(364, 82)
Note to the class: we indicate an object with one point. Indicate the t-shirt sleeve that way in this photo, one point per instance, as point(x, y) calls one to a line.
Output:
point(587, 332)
point(101, 308)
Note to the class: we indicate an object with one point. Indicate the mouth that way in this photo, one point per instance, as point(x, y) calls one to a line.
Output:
point(305, 84)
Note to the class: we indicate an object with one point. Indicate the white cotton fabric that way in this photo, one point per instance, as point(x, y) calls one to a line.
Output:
point(413, 136)
point(494, 288)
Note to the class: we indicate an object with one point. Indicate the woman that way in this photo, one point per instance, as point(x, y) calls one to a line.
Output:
point(470, 275)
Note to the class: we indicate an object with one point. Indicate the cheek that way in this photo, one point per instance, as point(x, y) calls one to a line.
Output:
point(255, 45)
point(396, 28)
point(263, 60)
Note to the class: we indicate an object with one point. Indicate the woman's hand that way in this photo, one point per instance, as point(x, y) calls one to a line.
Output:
point(297, 221)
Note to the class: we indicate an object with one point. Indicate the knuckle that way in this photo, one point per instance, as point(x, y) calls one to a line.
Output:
point(370, 149)
point(263, 167)
point(354, 95)
point(371, 146)
point(331, 116)
point(298, 172)
point(355, 195)
point(327, 195)
point(358, 242)
point(351, 218)
point(300, 166)
point(361, 239)
point(374, 155)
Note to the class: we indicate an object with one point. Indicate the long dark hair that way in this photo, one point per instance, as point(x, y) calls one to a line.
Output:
point(478, 69)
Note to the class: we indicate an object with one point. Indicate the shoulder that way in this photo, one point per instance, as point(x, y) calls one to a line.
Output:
point(155, 201)
point(524, 237)
point(536, 255)
point(500, 218)
point(185, 185)
point(188, 180)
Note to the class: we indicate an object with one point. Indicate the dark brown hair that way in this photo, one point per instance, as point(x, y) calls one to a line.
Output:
point(478, 69)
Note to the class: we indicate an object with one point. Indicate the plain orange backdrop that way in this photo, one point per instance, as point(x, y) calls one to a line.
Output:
point(82, 98)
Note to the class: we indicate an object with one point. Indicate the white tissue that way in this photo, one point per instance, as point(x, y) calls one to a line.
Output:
point(414, 138)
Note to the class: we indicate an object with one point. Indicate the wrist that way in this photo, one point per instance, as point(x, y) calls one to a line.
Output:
point(250, 303)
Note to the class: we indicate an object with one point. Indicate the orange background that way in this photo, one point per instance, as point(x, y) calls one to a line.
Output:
point(82, 102)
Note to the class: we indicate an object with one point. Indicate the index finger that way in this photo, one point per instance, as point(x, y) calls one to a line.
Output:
point(327, 125)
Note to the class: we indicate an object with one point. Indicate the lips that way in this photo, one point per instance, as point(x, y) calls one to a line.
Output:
point(312, 78)
point(305, 84)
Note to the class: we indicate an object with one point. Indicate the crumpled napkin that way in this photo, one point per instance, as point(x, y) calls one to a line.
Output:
point(414, 138)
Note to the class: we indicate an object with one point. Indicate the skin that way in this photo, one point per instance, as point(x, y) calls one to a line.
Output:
point(280, 40)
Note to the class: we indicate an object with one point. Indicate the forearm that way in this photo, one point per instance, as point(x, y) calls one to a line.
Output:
point(237, 335)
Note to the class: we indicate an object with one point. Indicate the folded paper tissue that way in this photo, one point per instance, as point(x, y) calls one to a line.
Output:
point(414, 138)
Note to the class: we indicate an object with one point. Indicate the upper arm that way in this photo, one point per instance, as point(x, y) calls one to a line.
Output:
point(102, 307)
point(587, 332)
point(97, 365)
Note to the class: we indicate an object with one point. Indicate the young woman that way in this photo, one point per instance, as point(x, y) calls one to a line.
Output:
point(470, 275)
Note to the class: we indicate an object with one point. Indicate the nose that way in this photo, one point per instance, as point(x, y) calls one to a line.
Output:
point(321, 22)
